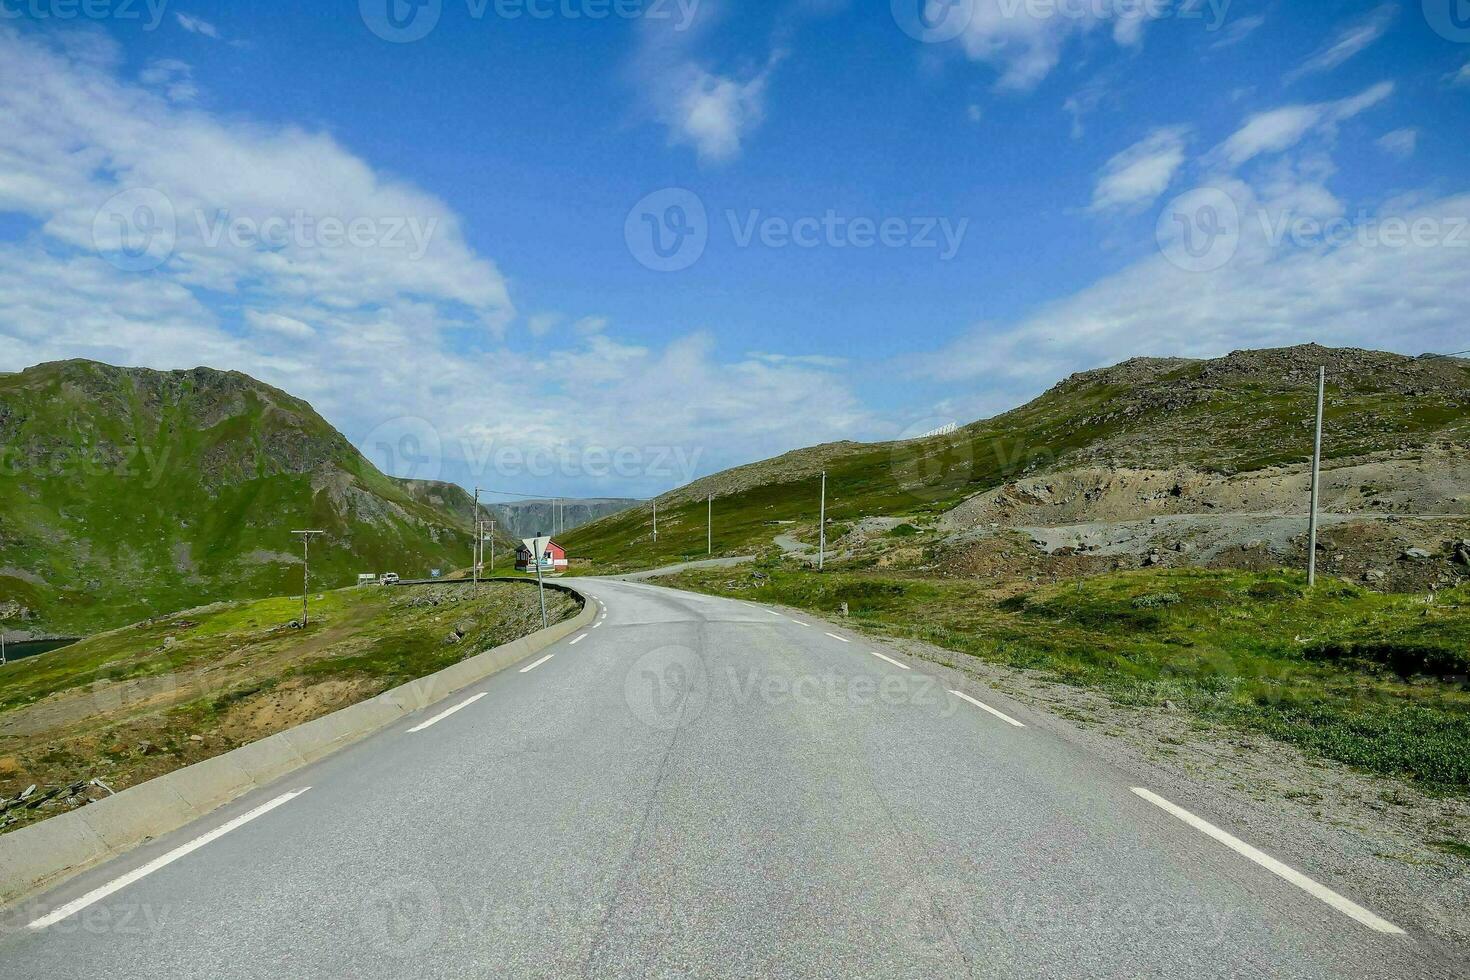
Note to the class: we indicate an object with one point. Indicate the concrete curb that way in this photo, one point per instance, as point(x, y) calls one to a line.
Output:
point(42, 854)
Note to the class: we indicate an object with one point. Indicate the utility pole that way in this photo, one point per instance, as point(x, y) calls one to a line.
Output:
point(822, 522)
point(478, 548)
point(709, 524)
point(655, 520)
point(492, 547)
point(306, 537)
point(1316, 480)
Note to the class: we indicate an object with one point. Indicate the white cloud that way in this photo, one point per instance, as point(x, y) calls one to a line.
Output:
point(1348, 42)
point(1362, 293)
point(174, 78)
point(1238, 30)
point(1461, 77)
point(389, 337)
point(1400, 143)
point(714, 113)
point(541, 324)
point(1136, 177)
point(1280, 129)
point(810, 360)
point(279, 324)
point(197, 25)
point(1023, 42)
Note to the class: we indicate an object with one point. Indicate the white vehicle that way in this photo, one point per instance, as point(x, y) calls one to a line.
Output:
point(389, 578)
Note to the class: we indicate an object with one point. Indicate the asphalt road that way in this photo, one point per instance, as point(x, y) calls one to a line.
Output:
point(698, 787)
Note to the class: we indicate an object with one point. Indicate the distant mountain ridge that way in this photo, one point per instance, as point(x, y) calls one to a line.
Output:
point(130, 492)
point(1243, 412)
point(527, 518)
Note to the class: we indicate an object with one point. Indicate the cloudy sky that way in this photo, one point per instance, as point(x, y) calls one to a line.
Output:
point(599, 247)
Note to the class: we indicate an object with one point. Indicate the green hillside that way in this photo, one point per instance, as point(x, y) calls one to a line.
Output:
point(129, 493)
point(1246, 411)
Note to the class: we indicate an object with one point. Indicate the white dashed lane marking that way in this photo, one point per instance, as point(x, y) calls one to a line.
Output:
point(1316, 889)
point(985, 707)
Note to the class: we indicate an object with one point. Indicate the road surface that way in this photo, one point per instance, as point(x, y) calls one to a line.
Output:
point(700, 787)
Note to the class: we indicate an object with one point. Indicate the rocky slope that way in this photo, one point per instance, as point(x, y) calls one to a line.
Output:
point(129, 492)
point(1163, 420)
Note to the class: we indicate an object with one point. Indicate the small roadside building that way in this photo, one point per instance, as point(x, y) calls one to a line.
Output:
point(552, 556)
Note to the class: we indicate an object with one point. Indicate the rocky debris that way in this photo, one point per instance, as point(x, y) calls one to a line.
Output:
point(1374, 575)
point(1460, 554)
point(1415, 554)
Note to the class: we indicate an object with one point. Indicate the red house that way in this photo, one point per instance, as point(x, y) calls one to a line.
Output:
point(552, 556)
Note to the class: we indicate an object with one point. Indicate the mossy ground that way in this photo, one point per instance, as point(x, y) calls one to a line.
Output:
point(137, 702)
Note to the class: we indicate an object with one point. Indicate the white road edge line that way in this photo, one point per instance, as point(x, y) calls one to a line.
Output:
point(98, 894)
point(836, 637)
point(530, 667)
point(773, 613)
point(889, 659)
point(800, 623)
point(445, 714)
point(1343, 905)
point(595, 625)
point(985, 707)
point(577, 640)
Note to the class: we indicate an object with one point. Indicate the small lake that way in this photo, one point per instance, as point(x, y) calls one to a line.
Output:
point(29, 648)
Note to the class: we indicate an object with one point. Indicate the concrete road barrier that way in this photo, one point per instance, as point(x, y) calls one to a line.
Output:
point(42, 854)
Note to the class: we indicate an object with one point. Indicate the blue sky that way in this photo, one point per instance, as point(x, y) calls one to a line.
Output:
point(1032, 165)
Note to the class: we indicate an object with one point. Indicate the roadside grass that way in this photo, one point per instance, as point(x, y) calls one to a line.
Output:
point(1376, 681)
point(140, 701)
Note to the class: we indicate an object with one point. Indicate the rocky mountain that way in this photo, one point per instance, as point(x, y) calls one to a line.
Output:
point(1250, 411)
point(525, 518)
point(130, 492)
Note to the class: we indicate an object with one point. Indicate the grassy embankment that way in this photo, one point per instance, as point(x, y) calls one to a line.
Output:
point(1375, 681)
point(1239, 425)
point(137, 702)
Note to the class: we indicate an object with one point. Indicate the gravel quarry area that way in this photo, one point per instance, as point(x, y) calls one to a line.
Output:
point(1400, 522)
